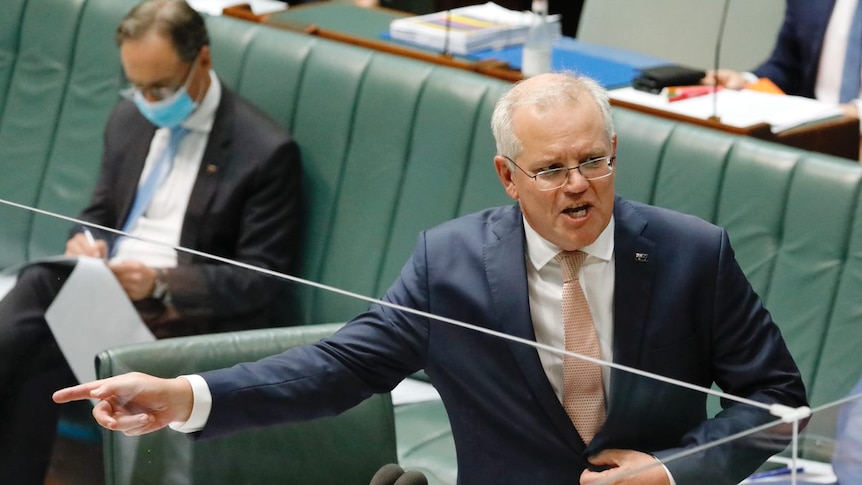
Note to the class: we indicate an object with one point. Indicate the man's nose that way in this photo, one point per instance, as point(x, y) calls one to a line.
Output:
point(575, 181)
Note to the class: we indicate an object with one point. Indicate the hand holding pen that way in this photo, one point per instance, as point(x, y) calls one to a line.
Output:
point(85, 244)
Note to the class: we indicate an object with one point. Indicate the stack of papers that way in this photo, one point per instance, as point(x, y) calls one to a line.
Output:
point(467, 29)
point(258, 7)
point(739, 108)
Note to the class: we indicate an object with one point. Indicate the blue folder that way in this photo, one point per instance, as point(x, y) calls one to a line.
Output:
point(611, 67)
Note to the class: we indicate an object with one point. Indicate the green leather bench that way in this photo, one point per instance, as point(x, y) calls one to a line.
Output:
point(392, 146)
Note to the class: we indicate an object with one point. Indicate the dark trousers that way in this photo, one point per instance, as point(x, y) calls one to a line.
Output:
point(32, 367)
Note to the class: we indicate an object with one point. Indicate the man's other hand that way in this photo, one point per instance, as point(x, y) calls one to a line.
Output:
point(137, 279)
point(632, 468)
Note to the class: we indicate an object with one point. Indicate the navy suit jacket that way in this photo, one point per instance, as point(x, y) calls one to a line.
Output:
point(682, 308)
point(244, 205)
point(795, 59)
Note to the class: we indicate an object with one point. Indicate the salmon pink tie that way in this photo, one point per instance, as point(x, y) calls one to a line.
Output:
point(583, 389)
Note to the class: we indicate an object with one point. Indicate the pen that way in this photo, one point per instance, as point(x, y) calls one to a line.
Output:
point(90, 238)
point(775, 473)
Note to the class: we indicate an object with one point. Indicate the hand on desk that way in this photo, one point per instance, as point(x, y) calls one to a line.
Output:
point(622, 462)
point(727, 78)
point(134, 403)
point(850, 109)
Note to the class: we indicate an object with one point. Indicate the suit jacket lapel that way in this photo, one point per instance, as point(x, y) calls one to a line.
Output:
point(818, 31)
point(634, 282)
point(505, 268)
point(132, 168)
point(215, 158)
point(634, 261)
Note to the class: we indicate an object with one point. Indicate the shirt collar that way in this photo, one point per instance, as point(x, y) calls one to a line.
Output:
point(201, 119)
point(540, 251)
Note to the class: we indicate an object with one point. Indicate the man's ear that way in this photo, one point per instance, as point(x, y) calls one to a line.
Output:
point(505, 174)
point(205, 59)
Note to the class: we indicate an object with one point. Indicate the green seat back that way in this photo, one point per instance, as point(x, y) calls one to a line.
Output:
point(348, 448)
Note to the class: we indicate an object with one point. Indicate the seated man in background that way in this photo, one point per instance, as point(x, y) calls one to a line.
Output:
point(818, 54)
point(570, 266)
point(232, 191)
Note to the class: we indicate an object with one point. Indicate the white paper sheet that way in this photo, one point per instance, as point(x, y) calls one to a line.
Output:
point(92, 313)
point(6, 284)
point(739, 108)
point(258, 7)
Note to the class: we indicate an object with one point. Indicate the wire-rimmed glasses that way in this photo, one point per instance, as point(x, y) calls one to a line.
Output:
point(554, 178)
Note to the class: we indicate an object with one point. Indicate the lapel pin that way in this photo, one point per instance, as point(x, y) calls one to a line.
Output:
point(642, 257)
point(211, 169)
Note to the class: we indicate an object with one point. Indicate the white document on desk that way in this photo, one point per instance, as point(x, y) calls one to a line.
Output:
point(258, 7)
point(739, 108)
point(92, 313)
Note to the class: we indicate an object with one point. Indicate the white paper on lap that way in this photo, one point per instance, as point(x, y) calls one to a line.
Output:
point(92, 313)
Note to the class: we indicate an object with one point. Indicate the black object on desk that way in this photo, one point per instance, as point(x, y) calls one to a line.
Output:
point(654, 79)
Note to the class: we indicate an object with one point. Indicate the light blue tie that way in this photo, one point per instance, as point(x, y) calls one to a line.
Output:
point(157, 176)
point(853, 60)
point(154, 180)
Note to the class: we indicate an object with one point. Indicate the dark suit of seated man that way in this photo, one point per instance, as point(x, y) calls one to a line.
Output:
point(662, 290)
point(233, 191)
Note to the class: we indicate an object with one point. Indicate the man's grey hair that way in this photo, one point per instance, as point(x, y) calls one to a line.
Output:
point(560, 89)
point(174, 19)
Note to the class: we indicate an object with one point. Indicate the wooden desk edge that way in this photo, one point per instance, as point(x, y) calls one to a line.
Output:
point(759, 130)
point(838, 137)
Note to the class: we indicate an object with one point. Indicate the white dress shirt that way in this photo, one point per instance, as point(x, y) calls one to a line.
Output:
point(163, 219)
point(545, 283)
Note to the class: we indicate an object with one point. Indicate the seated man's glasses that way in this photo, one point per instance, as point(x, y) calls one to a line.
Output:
point(554, 178)
point(157, 92)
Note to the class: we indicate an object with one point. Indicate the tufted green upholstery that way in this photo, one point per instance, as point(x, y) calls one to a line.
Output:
point(391, 146)
point(58, 81)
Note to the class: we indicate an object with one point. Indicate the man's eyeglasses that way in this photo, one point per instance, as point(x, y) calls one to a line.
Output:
point(554, 178)
point(157, 93)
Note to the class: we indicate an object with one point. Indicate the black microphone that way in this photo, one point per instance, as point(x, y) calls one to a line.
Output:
point(388, 474)
point(412, 477)
point(448, 32)
point(715, 116)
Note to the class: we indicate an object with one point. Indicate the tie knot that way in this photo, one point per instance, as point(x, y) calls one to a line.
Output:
point(571, 262)
point(177, 132)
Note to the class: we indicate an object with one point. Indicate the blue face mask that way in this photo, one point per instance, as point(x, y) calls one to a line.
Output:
point(168, 112)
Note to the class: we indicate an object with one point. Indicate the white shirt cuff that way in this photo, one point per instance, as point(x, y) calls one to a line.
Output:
point(201, 407)
point(669, 476)
point(749, 77)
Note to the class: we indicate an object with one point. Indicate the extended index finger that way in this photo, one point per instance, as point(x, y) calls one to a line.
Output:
point(76, 393)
